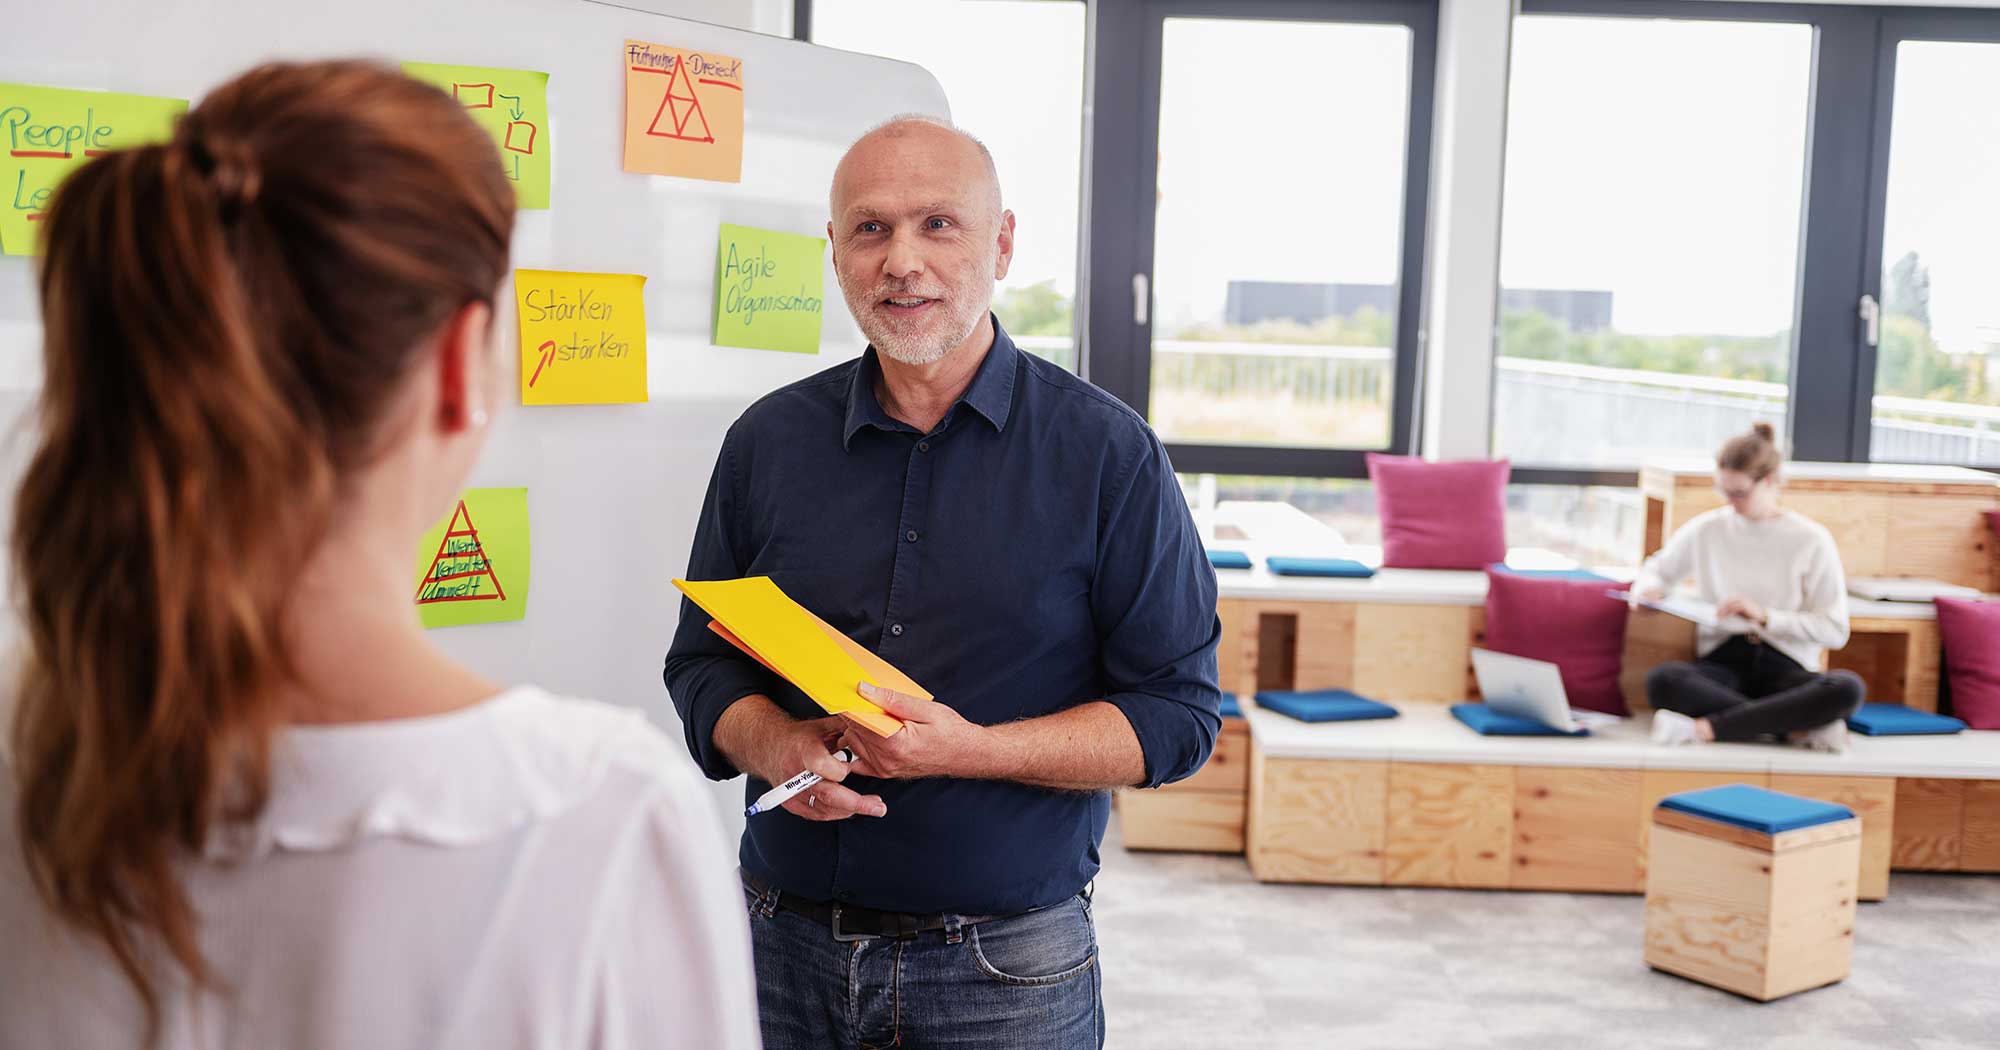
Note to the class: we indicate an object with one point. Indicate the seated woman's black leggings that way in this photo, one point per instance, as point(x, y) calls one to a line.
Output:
point(1748, 690)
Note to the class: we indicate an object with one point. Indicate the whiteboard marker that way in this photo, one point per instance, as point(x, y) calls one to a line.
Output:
point(777, 796)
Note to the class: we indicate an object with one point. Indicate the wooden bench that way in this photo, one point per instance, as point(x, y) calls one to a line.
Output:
point(1421, 800)
point(1886, 519)
point(1410, 633)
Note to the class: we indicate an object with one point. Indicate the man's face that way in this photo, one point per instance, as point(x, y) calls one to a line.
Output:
point(919, 239)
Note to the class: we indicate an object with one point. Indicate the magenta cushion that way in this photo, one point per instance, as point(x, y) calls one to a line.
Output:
point(1971, 634)
point(1440, 515)
point(1570, 623)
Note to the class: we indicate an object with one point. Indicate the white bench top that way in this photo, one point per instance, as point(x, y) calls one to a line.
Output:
point(1455, 587)
point(1426, 732)
point(1888, 473)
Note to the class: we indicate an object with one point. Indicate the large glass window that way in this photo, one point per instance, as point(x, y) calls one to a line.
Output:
point(1278, 232)
point(1651, 229)
point(1937, 357)
point(1029, 112)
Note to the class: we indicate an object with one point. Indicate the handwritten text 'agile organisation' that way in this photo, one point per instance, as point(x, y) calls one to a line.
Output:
point(742, 300)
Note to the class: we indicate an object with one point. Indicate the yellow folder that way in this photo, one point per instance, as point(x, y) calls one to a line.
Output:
point(758, 618)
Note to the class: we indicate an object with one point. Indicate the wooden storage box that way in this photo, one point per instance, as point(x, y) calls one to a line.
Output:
point(1760, 914)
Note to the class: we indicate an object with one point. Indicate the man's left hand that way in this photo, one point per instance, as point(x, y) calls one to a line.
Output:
point(933, 742)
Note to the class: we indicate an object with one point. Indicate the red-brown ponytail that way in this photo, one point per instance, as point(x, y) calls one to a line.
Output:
point(226, 318)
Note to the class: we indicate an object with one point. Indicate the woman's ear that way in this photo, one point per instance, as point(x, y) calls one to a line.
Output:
point(462, 362)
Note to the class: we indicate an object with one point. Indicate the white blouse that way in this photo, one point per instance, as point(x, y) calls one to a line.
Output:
point(531, 872)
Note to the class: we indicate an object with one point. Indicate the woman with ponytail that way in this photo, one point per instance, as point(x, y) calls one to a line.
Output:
point(1781, 597)
point(246, 802)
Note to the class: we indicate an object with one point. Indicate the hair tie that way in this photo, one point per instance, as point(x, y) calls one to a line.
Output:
point(230, 168)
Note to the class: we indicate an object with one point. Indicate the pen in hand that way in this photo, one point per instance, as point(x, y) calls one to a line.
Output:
point(778, 796)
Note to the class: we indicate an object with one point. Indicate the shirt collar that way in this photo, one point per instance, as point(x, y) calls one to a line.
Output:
point(991, 392)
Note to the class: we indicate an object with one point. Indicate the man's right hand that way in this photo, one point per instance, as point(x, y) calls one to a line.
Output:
point(760, 739)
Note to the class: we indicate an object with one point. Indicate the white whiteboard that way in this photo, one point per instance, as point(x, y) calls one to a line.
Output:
point(612, 491)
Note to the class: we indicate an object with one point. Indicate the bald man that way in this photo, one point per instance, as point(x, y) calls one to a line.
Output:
point(1014, 539)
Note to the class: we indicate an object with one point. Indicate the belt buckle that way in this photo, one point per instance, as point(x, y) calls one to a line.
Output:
point(844, 937)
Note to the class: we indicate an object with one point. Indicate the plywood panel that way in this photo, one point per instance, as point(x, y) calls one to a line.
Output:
point(1317, 640)
point(1922, 661)
point(1941, 537)
point(1574, 829)
point(1812, 917)
point(1317, 821)
point(1980, 850)
point(1412, 652)
point(1228, 766)
point(1190, 821)
point(1656, 784)
point(1326, 657)
point(1450, 825)
point(1236, 653)
point(1708, 907)
point(1930, 815)
point(1859, 521)
point(1873, 799)
point(1651, 639)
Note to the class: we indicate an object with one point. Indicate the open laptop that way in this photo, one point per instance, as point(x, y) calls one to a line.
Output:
point(1517, 685)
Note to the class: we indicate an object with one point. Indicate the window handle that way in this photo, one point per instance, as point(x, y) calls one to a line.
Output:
point(1142, 298)
point(1871, 320)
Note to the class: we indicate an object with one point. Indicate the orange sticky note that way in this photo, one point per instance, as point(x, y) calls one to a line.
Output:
point(758, 618)
point(683, 112)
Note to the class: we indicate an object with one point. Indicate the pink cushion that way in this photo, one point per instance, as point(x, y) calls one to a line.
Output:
point(1971, 635)
point(1440, 515)
point(1570, 623)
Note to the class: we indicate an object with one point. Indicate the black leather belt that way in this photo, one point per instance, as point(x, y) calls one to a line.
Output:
point(852, 923)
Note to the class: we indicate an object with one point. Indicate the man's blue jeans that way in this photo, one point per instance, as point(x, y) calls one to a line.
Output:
point(1027, 981)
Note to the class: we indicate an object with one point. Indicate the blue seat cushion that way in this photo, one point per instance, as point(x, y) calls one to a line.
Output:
point(1487, 722)
point(1230, 707)
point(1897, 720)
point(1584, 575)
point(1229, 559)
point(1343, 567)
point(1755, 808)
point(1325, 705)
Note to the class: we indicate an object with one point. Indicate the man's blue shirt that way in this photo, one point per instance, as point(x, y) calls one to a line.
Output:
point(1031, 553)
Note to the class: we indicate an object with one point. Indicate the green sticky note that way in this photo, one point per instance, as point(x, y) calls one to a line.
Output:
point(513, 106)
point(50, 132)
point(472, 567)
point(768, 290)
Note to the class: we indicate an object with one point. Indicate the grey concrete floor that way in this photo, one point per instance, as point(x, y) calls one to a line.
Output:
point(1196, 953)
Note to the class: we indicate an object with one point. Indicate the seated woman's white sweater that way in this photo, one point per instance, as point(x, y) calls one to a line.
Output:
point(1787, 563)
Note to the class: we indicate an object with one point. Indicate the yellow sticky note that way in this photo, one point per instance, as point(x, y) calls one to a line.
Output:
point(803, 649)
point(472, 567)
point(50, 132)
point(583, 337)
point(683, 112)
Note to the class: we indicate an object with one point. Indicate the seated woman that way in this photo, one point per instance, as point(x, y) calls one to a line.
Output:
point(1777, 575)
point(249, 802)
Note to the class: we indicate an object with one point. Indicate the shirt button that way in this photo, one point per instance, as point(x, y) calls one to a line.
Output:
point(923, 446)
point(911, 535)
point(896, 629)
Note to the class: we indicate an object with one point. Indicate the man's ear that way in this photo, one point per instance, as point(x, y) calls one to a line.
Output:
point(1006, 246)
point(832, 245)
point(462, 361)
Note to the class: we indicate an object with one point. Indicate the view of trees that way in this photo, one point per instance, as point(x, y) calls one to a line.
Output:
point(1909, 361)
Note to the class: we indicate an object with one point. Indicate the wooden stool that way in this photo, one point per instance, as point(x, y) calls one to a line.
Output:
point(1752, 891)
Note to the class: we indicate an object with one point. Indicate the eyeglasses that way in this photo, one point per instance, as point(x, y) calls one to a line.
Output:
point(1733, 494)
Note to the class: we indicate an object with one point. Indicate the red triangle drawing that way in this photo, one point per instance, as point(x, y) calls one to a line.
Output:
point(432, 589)
point(686, 108)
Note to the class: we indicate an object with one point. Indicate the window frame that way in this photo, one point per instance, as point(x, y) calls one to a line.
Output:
point(1957, 25)
point(1832, 385)
point(1121, 173)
